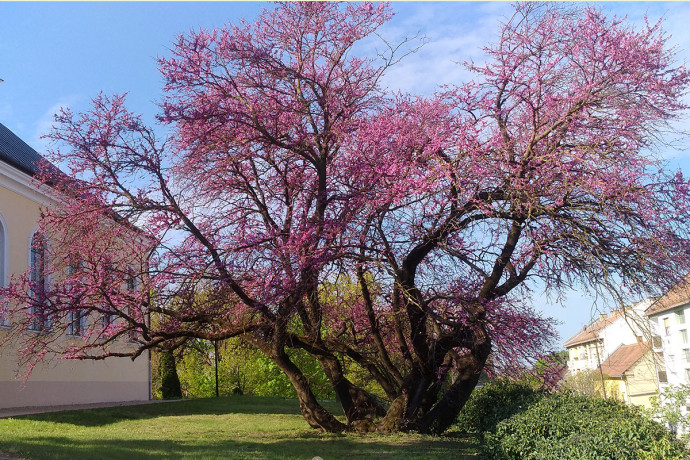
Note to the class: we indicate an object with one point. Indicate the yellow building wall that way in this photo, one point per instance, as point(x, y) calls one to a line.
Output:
point(55, 381)
point(641, 381)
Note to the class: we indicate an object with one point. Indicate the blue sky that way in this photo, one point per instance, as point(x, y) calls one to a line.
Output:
point(63, 54)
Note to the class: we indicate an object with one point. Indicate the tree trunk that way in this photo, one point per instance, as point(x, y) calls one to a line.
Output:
point(444, 413)
point(419, 408)
point(357, 403)
point(313, 412)
point(315, 415)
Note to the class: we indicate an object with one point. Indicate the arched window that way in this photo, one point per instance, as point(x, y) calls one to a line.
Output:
point(132, 285)
point(4, 270)
point(76, 319)
point(39, 285)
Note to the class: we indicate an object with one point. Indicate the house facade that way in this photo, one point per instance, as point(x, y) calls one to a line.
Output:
point(616, 346)
point(631, 373)
point(53, 382)
point(669, 320)
point(590, 347)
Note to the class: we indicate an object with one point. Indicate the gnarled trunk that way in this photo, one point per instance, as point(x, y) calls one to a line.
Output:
point(357, 403)
point(313, 412)
point(420, 408)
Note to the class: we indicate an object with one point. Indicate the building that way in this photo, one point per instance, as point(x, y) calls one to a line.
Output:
point(53, 382)
point(631, 374)
point(616, 348)
point(590, 347)
point(669, 320)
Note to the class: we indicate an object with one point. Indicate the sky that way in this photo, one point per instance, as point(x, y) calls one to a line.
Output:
point(56, 55)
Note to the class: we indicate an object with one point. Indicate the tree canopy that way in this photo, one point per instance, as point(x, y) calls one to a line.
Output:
point(298, 204)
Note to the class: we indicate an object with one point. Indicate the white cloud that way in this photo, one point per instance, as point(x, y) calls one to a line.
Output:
point(44, 124)
point(456, 32)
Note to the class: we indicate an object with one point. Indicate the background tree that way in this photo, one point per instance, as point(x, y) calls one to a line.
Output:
point(170, 383)
point(671, 408)
point(289, 168)
point(242, 369)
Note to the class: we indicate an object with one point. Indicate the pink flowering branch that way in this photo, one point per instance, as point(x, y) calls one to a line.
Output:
point(296, 204)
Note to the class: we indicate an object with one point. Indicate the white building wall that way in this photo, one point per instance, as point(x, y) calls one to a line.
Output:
point(671, 345)
point(671, 341)
point(624, 330)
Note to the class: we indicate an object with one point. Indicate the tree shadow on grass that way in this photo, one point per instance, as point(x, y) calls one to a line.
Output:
point(204, 406)
point(329, 448)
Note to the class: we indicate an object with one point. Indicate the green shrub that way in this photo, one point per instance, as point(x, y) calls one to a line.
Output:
point(493, 402)
point(244, 370)
point(170, 383)
point(567, 426)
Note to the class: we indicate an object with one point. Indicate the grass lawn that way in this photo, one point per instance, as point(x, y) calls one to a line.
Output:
point(236, 427)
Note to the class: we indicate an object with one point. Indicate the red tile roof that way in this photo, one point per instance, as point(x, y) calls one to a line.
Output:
point(676, 296)
point(623, 358)
point(590, 332)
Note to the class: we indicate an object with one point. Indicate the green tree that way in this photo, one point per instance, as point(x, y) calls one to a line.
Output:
point(170, 382)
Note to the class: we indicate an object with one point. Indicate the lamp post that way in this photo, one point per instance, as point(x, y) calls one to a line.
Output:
point(215, 357)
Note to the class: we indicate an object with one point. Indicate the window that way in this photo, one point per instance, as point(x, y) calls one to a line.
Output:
point(40, 320)
point(656, 341)
point(76, 322)
point(131, 288)
point(662, 377)
point(107, 319)
point(4, 316)
point(680, 316)
point(131, 284)
point(4, 319)
point(684, 336)
point(667, 326)
point(686, 355)
point(76, 319)
point(687, 375)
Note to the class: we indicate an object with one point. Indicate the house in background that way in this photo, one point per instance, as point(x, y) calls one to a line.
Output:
point(586, 348)
point(631, 372)
point(616, 348)
point(669, 320)
point(54, 382)
point(589, 348)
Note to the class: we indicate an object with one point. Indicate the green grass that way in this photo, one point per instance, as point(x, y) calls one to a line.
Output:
point(237, 427)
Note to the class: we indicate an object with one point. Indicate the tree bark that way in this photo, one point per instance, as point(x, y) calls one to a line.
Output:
point(357, 403)
point(313, 412)
point(445, 412)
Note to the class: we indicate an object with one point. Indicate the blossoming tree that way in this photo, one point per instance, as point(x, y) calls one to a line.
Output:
point(299, 205)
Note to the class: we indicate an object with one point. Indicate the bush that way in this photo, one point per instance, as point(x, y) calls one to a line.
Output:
point(170, 383)
point(670, 408)
point(494, 402)
point(567, 426)
point(244, 370)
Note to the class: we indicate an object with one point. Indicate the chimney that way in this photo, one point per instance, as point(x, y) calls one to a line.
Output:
point(602, 316)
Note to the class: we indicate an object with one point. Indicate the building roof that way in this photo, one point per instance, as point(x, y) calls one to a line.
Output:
point(675, 297)
point(18, 153)
point(590, 332)
point(623, 358)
